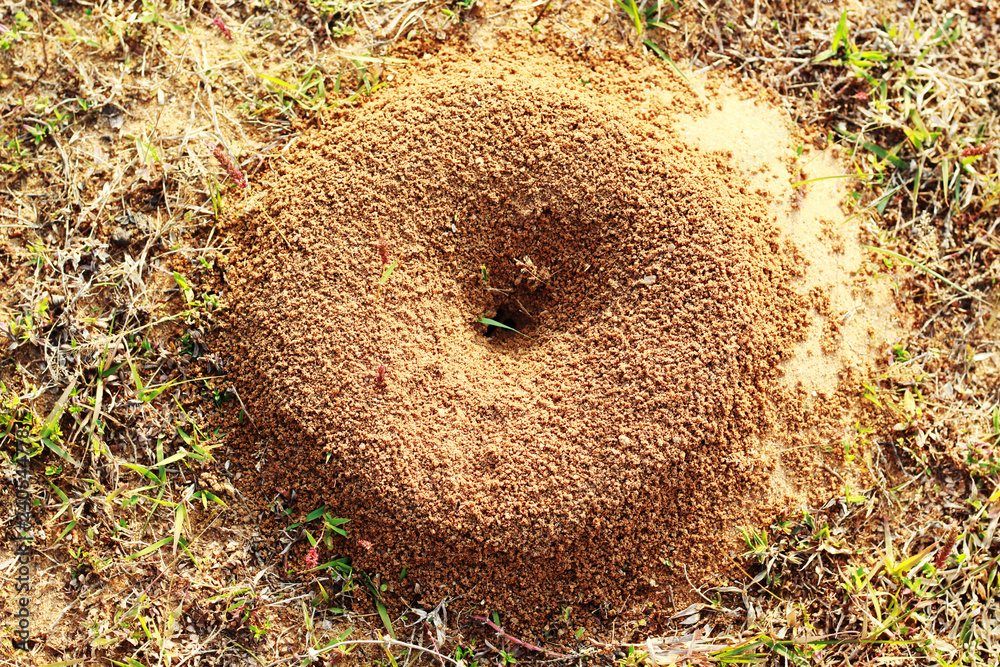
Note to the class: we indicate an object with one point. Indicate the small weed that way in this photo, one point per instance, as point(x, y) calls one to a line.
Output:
point(925, 269)
point(946, 548)
point(145, 393)
point(330, 527)
point(339, 14)
point(151, 13)
point(852, 498)
point(981, 458)
point(757, 543)
point(632, 658)
point(231, 168)
point(465, 655)
point(10, 35)
point(37, 434)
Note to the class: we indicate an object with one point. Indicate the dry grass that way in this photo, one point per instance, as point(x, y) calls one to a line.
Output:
point(124, 127)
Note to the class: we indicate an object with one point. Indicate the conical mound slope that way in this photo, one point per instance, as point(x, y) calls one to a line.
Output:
point(614, 435)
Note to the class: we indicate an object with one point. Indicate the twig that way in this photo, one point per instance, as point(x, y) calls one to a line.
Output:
point(515, 640)
point(541, 13)
point(380, 642)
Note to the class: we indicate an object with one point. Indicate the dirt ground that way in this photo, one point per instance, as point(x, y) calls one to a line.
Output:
point(474, 333)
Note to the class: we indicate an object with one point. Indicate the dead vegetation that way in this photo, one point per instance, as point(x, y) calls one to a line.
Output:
point(124, 130)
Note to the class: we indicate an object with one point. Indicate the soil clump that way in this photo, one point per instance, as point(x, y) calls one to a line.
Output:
point(605, 441)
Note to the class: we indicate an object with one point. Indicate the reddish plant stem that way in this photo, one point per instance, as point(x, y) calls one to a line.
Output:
point(515, 640)
point(222, 26)
point(383, 250)
point(434, 643)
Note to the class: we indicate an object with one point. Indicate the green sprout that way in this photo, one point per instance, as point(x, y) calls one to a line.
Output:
point(500, 325)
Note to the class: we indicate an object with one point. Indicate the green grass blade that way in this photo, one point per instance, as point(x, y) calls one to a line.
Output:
point(493, 323)
point(387, 273)
point(662, 55)
point(630, 9)
point(384, 615)
point(926, 270)
point(70, 526)
point(150, 549)
point(145, 472)
point(179, 517)
point(889, 155)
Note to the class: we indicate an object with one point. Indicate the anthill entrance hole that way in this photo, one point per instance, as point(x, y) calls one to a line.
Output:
point(508, 318)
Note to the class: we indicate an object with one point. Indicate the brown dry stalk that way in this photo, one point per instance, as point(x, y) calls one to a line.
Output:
point(228, 165)
point(946, 549)
point(982, 149)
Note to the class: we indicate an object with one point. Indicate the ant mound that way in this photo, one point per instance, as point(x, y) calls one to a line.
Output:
point(518, 329)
